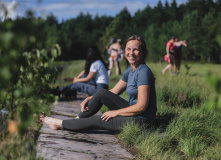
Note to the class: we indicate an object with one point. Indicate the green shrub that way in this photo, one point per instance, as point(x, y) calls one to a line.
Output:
point(25, 92)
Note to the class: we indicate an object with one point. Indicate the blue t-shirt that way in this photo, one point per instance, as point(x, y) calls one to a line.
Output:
point(141, 76)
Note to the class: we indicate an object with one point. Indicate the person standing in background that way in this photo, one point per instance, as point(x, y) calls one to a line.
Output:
point(120, 56)
point(178, 54)
point(107, 56)
point(169, 56)
point(114, 51)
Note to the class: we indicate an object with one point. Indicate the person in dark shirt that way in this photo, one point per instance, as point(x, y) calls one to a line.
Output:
point(178, 54)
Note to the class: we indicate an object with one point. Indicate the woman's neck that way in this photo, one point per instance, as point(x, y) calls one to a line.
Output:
point(135, 66)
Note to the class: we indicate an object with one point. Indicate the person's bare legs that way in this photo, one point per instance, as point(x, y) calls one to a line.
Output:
point(53, 123)
point(169, 66)
point(170, 69)
point(110, 66)
point(116, 66)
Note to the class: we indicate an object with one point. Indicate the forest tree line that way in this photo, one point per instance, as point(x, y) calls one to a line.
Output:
point(197, 21)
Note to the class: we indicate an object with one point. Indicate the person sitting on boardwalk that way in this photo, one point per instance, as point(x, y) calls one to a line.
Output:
point(178, 54)
point(92, 78)
point(139, 83)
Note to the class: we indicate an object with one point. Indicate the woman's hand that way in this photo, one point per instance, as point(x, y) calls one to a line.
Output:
point(86, 79)
point(83, 104)
point(108, 115)
point(75, 80)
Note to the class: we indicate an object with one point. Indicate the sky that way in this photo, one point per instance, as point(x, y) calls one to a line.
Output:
point(67, 9)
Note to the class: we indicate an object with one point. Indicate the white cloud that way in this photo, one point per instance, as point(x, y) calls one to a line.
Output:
point(66, 9)
point(100, 7)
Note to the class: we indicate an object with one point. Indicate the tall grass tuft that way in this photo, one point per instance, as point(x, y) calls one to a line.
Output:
point(130, 132)
point(190, 135)
point(183, 97)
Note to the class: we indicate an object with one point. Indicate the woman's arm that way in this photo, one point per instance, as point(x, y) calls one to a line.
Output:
point(79, 76)
point(83, 104)
point(119, 87)
point(139, 107)
point(168, 51)
point(109, 50)
point(184, 43)
point(86, 79)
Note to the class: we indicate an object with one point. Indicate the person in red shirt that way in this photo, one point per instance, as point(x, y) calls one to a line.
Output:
point(169, 56)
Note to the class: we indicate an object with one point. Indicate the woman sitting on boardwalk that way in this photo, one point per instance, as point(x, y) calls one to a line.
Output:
point(92, 78)
point(139, 82)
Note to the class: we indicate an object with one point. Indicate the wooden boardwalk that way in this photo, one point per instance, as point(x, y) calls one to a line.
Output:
point(90, 145)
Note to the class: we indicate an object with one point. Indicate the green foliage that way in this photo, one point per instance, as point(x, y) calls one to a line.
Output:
point(187, 67)
point(191, 135)
point(110, 32)
point(130, 132)
point(218, 38)
point(197, 22)
point(77, 35)
point(214, 101)
point(188, 132)
point(150, 35)
point(177, 96)
point(24, 88)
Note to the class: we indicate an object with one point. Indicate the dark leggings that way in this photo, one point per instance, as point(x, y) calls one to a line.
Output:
point(88, 121)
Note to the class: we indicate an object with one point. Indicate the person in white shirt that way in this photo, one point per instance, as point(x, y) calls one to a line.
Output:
point(92, 78)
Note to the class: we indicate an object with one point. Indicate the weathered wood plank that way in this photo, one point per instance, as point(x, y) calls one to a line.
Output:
point(61, 144)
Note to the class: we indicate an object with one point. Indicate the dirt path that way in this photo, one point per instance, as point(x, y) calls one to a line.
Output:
point(90, 145)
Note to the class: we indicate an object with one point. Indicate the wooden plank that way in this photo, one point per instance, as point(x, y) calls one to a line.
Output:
point(61, 144)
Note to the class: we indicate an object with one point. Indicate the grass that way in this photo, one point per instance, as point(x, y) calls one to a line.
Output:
point(191, 134)
point(187, 130)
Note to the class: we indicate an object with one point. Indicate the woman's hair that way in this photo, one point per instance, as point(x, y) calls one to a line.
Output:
point(93, 54)
point(176, 38)
point(172, 37)
point(142, 45)
point(113, 40)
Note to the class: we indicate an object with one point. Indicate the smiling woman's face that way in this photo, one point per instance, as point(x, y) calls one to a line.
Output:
point(133, 52)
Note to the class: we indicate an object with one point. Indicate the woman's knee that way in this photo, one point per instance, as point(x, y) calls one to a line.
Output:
point(102, 92)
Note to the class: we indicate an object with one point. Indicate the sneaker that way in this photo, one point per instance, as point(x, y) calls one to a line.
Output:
point(70, 94)
point(56, 91)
